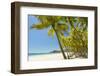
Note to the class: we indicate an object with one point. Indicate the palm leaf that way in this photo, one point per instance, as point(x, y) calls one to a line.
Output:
point(40, 26)
point(51, 32)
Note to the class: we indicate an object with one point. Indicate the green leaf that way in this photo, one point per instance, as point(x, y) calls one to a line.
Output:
point(39, 26)
point(51, 32)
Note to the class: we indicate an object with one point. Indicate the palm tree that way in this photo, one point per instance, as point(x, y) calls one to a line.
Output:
point(57, 25)
point(77, 39)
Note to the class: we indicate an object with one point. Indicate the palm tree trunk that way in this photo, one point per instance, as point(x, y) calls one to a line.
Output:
point(68, 57)
point(63, 53)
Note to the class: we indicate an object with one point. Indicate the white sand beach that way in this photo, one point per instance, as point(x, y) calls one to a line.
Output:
point(53, 56)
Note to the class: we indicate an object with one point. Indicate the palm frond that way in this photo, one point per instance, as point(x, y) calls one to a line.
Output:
point(51, 32)
point(39, 26)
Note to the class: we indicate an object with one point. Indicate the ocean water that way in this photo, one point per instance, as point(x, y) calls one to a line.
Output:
point(34, 54)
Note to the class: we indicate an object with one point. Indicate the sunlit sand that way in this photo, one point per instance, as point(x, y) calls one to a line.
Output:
point(53, 56)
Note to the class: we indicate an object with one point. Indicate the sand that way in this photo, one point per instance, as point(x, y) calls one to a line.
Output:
point(53, 56)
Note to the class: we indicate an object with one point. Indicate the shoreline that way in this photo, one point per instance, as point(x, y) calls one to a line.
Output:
point(49, 56)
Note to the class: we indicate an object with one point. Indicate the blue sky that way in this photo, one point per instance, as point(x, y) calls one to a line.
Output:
point(38, 40)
